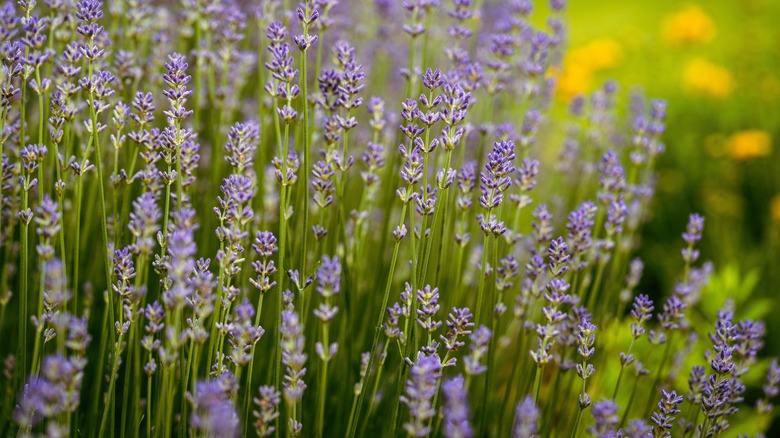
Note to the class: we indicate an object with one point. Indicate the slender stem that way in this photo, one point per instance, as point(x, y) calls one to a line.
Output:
point(127, 407)
point(23, 317)
point(306, 144)
point(622, 368)
point(380, 366)
point(630, 403)
point(110, 392)
point(481, 290)
point(248, 395)
point(323, 381)
point(378, 327)
point(538, 383)
point(149, 405)
point(282, 250)
point(576, 427)
point(41, 123)
point(352, 414)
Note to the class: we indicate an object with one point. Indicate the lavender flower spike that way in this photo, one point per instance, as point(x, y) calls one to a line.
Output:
point(526, 419)
point(669, 407)
point(456, 409)
point(420, 390)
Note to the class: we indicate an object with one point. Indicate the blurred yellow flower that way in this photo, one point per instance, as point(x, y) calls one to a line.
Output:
point(744, 145)
point(703, 76)
point(774, 208)
point(691, 24)
point(582, 62)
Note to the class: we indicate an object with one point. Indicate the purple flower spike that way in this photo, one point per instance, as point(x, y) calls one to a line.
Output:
point(691, 236)
point(668, 408)
point(420, 390)
point(213, 409)
point(526, 419)
point(478, 350)
point(495, 178)
point(293, 356)
point(456, 409)
point(605, 413)
point(266, 412)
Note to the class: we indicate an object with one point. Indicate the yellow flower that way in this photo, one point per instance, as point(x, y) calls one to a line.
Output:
point(744, 145)
point(582, 62)
point(774, 208)
point(598, 54)
point(691, 24)
point(703, 76)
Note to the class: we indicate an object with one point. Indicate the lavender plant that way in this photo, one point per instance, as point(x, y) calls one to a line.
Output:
point(143, 313)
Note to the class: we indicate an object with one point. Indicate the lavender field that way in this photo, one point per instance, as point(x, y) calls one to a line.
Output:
point(363, 218)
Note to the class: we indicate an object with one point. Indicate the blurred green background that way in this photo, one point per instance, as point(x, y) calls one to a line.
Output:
point(717, 63)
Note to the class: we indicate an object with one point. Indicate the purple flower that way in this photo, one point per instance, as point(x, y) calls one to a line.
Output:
point(54, 392)
point(374, 159)
point(466, 182)
point(322, 183)
point(329, 276)
point(243, 334)
point(472, 363)
point(557, 5)
point(605, 413)
point(580, 226)
point(495, 178)
point(328, 285)
point(542, 225)
point(48, 220)
point(460, 325)
point(265, 244)
point(266, 412)
point(456, 409)
point(536, 62)
point(586, 336)
point(749, 340)
point(89, 12)
point(240, 149)
point(176, 78)
point(530, 127)
point(376, 108)
point(641, 312)
point(668, 408)
point(672, 314)
point(526, 419)
point(770, 388)
point(429, 306)
point(213, 410)
point(612, 178)
point(143, 224)
point(293, 356)
point(412, 169)
point(420, 389)
point(180, 263)
point(638, 429)
point(559, 257)
point(691, 236)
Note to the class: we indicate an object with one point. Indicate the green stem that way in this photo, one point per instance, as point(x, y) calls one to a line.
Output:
point(378, 327)
point(306, 146)
point(630, 403)
point(248, 395)
point(481, 290)
point(323, 381)
point(538, 383)
point(576, 428)
point(23, 279)
point(282, 249)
